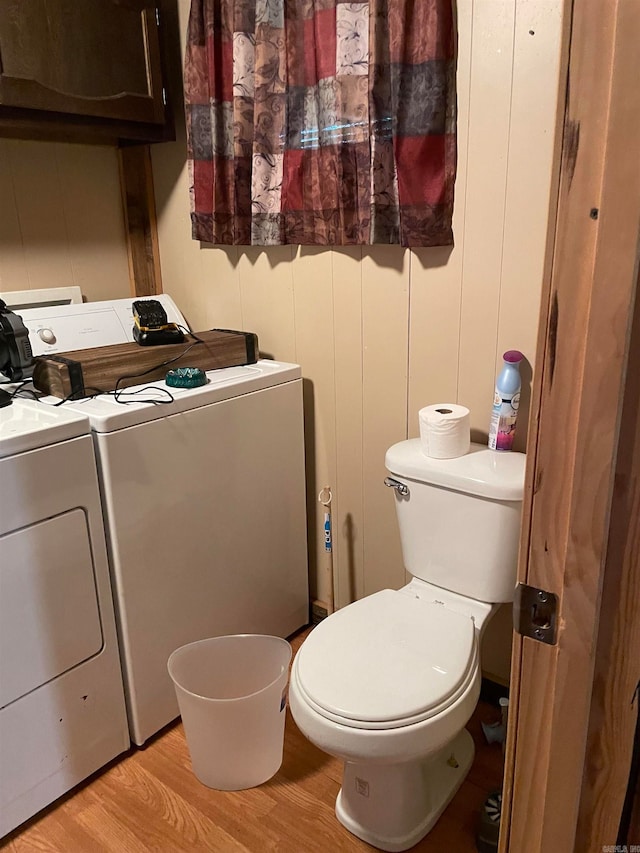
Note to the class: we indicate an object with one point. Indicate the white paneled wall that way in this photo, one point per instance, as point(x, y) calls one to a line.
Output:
point(382, 331)
point(61, 219)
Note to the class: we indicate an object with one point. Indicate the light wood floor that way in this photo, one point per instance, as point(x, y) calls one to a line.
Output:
point(149, 800)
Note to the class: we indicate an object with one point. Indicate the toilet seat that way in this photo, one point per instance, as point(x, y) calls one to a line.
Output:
point(387, 661)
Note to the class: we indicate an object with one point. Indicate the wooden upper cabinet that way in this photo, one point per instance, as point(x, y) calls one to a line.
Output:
point(93, 59)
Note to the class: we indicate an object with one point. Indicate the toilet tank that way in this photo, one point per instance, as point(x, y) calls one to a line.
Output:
point(460, 519)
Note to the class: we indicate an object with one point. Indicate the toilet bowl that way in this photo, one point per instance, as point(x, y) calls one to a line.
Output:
point(388, 683)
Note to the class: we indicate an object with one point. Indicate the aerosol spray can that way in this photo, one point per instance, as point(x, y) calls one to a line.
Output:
point(506, 402)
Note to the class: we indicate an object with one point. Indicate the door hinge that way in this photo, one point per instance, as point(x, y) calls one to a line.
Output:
point(157, 17)
point(535, 613)
point(164, 96)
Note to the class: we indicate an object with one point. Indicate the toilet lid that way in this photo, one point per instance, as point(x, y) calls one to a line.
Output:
point(386, 658)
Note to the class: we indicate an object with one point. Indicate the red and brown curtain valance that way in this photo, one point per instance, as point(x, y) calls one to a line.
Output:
point(321, 121)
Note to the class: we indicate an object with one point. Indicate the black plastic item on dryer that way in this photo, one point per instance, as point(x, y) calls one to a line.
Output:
point(16, 357)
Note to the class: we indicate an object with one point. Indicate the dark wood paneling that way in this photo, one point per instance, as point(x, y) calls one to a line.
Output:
point(99, 58)
point(16, 123)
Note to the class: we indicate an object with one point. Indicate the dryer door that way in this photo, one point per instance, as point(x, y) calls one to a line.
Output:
point(49, 619)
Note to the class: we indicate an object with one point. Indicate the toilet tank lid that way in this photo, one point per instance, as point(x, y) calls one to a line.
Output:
point(487, 473)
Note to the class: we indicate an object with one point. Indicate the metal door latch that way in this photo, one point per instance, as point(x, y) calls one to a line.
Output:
point(535, 613)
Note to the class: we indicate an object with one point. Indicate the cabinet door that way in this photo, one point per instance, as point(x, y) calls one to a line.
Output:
point(98, 58)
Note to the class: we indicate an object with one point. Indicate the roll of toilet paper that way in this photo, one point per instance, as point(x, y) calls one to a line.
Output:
point(444, 430)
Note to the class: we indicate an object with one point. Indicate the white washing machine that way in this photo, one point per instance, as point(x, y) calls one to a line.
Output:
point(62, 708)
point(204, 502)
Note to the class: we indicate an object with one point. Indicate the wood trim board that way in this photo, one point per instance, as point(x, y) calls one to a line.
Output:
point(582, 368)
point(141, 227)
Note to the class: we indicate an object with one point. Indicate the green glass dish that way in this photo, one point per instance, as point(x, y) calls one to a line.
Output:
point(186, 377)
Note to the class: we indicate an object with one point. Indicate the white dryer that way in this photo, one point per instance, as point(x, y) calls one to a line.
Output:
point(204, 503)
point(62, 709)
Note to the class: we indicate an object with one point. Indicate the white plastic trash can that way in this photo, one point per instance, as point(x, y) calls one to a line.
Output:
point(232, 696)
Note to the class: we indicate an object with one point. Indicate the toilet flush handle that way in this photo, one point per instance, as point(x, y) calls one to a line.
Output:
point(400, 488)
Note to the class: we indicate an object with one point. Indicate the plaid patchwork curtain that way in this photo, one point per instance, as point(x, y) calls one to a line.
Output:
point(321, 121)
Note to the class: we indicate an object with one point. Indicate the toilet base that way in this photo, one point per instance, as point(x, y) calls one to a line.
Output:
point(393, 806)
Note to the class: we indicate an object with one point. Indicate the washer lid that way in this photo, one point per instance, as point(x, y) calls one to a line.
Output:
point(225, 383)
point(386, 657)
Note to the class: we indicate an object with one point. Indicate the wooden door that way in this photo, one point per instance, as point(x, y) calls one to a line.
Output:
point(99, 58)
point(573, 713)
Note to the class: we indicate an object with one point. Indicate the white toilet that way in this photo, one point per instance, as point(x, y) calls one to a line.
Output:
point(388, 683)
